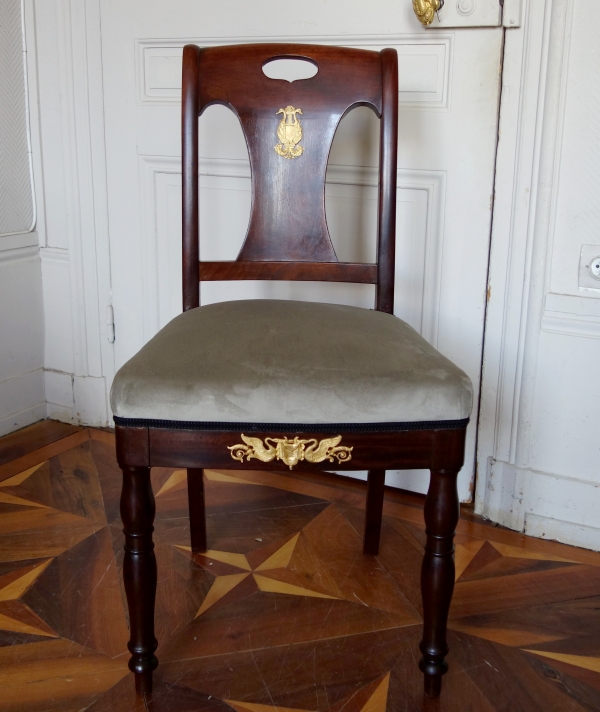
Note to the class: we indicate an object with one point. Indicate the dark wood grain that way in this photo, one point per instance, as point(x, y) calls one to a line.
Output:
point(287, 221)
point(197, 505)
point(208, 449)
point(132, 446)
point(197, 449)
point(189, 177)
point(373, 512)
point(33, 437)
point(388, 159)
point(448, 450)
point(300, 271)
point(437, 575)
point(139, 572)
point(36, 456)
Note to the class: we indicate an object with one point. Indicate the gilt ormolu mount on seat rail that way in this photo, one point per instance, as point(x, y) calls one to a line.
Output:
point(289, 128)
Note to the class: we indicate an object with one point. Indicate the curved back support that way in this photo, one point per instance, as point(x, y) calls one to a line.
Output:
point(287, 236)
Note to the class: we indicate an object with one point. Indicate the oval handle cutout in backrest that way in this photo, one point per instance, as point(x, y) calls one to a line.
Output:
point(290, 69)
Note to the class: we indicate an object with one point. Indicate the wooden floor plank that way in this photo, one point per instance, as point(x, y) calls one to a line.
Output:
point(33, 437)
point(14, 467)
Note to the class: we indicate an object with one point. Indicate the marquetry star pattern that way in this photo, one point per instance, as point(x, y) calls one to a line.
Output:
point(299, 564)
point(15, 615)
point(370, 698)
point(276, 574)
point(282, 613)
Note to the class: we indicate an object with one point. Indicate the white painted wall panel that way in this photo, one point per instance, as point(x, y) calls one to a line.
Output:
point(59, 395)
point(22, 401)
point(22, 398)
point(47, 32)
point(16, 193)
point(58, 347)
point(578, 200)
point(266, 17)
point(566, 434)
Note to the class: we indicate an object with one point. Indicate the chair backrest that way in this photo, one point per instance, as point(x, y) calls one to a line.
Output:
point(289, 129)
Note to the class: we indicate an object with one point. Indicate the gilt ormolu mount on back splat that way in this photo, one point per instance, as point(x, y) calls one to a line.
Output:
point(288, 196)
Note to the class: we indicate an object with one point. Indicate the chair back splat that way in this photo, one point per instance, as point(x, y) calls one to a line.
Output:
point(289, 129)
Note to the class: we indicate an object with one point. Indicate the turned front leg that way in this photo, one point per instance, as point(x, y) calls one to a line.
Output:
point(139, 572)
point(437, 575)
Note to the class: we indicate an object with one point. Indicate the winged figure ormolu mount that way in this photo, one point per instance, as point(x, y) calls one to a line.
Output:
point(291, 452)
point(289, 133)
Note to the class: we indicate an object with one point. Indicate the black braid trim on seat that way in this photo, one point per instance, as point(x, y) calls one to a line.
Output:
point(292, 427)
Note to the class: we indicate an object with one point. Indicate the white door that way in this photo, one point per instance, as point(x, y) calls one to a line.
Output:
point(449, 93)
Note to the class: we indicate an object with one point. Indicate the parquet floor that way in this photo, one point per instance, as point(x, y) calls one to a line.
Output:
point(283, 613)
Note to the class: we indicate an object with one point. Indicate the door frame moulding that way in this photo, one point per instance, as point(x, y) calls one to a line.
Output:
point(531, 116)
point(77, 43)
point(419, 41)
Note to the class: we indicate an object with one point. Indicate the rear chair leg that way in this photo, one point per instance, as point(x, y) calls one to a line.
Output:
point(139, 573)
point(195, 481)
point(437, 575)
point(373, 511)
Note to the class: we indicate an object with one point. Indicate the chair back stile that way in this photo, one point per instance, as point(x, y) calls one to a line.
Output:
point(287, 236)
point(388, 162)
point(189, 177)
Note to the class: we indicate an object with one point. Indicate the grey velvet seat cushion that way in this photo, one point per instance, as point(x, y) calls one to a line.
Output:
point(273, 361)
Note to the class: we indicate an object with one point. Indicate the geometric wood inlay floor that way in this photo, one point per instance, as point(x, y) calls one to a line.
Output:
point(283, 612)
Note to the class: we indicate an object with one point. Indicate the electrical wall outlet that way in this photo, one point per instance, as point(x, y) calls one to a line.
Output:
point(589, 267)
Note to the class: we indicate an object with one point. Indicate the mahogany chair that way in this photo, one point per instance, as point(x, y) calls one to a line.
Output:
point(267, 383)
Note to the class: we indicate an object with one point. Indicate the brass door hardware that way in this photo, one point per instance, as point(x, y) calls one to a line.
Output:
point(425, 10)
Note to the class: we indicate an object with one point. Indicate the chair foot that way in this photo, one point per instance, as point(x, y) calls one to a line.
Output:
point(433, 667)
point(143, 680)
point(433, 685)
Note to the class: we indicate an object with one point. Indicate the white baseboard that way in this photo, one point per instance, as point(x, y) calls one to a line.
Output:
point(502, 501)
point(565, 532)
point(76, 399)
point(22, 401)
point(91, 402)
point(16, 421)
point(542, 504)
point(59, 395)
point(55, 411)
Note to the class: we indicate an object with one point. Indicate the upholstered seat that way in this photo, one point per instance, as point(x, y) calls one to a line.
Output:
point(279, 362)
